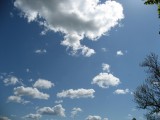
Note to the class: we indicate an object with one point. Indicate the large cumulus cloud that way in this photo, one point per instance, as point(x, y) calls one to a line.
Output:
point(76, 19)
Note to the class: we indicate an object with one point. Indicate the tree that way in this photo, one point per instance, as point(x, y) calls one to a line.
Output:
point(151, 2)
point(147, 95)
point(134, 119)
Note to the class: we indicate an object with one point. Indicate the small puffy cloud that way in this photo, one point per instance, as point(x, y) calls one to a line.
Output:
point(33, 116)
point(75, 111)
point(121, 91)
point(40, 51)
point(106, 67)
point(31, 92)
point(11, 80)
point(79, 93)
point(120, 53)
point(58, 101)
point(4, 118)
point(43, 84)
point(17, 99)
point(90, 117)
point(76, 20)
point(57, 110)
point(105, 80)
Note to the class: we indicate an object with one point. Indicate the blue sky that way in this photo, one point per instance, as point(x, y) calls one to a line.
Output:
point(74, 60)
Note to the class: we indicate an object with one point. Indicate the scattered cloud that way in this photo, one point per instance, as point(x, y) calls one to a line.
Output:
point(75, 19)
point(120, 53)
point(11, 80)
point(105, 119)
point(105, 80)
point(90, 117)
point(4, 118)
point(41, 51)
point(106, 67)
point(17, 99)
point(43, 84)
point(58, 101)
point(75, 111)
point(57, 110)
point(29, 91)
point(104, 49)
point(33, 116)
point(79, 93)
point(121, 91)
point(27, 70)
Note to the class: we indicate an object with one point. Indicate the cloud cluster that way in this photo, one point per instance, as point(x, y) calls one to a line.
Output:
point(43, 84)
point(121, 91)
point(79, 93)
point(11, 80)
point(57, 110)
point(75, 111)
point(75, 19)
point(31, 92)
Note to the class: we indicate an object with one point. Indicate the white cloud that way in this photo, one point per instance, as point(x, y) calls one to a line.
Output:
point(104, 49)
point(90, 117)
point(4, 118)
point(33, 116)
point(105, 119)
point(75, 111)
point(17, 99)
point(41, 51)
point(57, 110)
point(105, 80)
point(75, 19)
point(11, 80)
point(120, 53)
point(58, 101)
point(106, 67)
point(79, 93)
point(121, 91)
point(43, 84)
point(29, 91)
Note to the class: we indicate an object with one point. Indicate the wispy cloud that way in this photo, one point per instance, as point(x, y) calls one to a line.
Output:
point(17, 99)
point(75, 111)
point(79, 93)
point(80, 19)
point(105, 67)
point(4, 118)
point(40, 51)
point(33, 116)
point(11, 80)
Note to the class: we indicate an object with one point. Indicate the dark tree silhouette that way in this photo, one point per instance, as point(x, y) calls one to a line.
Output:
point(151, 2)
point(147, 95)
point(134, 119)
